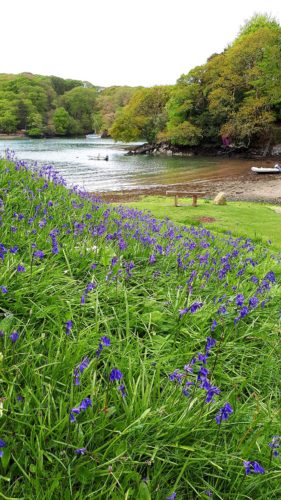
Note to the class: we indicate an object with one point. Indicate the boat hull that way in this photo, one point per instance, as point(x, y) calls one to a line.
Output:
point(262, 170)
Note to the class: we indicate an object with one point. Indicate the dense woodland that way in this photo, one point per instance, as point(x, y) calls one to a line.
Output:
point(234, 97)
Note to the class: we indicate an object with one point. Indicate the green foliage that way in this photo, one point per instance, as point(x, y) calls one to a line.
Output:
point(61, 120)
point(144, 117)
point(184, 134)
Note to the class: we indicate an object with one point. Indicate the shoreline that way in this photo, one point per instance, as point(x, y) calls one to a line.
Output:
point(259, 188)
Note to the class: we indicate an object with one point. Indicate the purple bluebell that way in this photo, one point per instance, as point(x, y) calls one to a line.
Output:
point(209, 493)
point(20, 269)
point(72, 418)
point(1, 333)
point(152, 259)
point(274, 445)
point(39, 254)
point(214, 325)
point(195, 306)
point(90, 287)
point(14, 249)
point(239, 299)
point(224, 413)
point(80, 451)
point(244, 312)
point(14, 336)
point(183, 311)
point(105, 340)
point(4, 289)
point(253, 302)
point(115, 374)
point(84, 364)
point(68, 327)
point(203, 373)
point(210, 343)
point(176, 376)
point(172, 496)
point(270, 276)
point(122, 389)
point(253, 467)
point(85, 403)
point(76, 377)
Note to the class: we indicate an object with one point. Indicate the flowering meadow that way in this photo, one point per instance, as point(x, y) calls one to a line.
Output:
point(138, 359)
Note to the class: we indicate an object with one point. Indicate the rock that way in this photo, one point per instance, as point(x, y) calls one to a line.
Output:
point(220, 199)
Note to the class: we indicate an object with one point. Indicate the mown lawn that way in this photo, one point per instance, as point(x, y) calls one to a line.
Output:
point(139, 359)
point(255, 220)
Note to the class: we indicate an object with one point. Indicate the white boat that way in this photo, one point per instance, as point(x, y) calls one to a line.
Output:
point(263, 170)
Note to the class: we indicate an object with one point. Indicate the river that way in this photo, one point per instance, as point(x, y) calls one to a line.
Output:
point(77, 161)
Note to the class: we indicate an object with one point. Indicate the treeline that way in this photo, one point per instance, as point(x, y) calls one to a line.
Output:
point(235, 97)
point(51, 106)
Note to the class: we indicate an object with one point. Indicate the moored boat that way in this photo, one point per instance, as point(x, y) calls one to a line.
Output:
point(263, 170)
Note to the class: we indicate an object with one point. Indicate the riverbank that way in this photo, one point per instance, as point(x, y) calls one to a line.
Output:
point(245, 187)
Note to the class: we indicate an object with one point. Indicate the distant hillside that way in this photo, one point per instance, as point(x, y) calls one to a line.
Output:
point(39, 105)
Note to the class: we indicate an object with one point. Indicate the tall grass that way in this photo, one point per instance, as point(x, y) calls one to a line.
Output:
point(121, 303)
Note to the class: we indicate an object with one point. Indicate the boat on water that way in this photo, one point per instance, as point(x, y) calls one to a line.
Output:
point(263, 170)
point(104, 158)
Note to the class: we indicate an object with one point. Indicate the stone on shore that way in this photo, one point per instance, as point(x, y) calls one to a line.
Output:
point(220, 199)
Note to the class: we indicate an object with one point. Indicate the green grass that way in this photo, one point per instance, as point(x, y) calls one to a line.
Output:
point(254, 220)
point(155, 440)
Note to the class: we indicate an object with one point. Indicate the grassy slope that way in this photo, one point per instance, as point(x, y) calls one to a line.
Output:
point(155, 440)
point(254, 220)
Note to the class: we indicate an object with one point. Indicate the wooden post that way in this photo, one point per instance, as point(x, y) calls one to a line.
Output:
point(176, 200)
point(194, 200)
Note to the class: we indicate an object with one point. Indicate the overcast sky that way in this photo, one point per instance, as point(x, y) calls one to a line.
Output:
point(118, 42)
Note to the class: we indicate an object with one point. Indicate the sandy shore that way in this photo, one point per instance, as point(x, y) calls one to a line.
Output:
point(250, 187)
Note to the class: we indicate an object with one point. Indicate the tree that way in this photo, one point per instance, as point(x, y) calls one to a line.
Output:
point(144, 116)
point(61, 120)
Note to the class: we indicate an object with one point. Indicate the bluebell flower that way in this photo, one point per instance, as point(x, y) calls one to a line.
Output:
point(3, 444)
point(105, 340)
point(122, 389)
point(152, 259)
point(270, 276)
point(176, 376)
point(68, 326)
point(214, 325)
point(172, 496)
point(115, 374)
point(274, 445)
point(14, 336)
point(80, 451)
point(253, 467)
point(20, 269)
point(85, 403)
point(195, 306)
point(4, 289)
point(224, 413)
point(183, 312)
point(84, 364)
point(39, 254)
point(210, 343)
point(239, 299)
point(76, 377)
point(253, 302)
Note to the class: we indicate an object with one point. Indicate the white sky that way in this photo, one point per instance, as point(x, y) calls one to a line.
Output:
point(119, 42)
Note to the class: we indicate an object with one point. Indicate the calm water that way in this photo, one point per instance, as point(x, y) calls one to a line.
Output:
point(76, 160)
